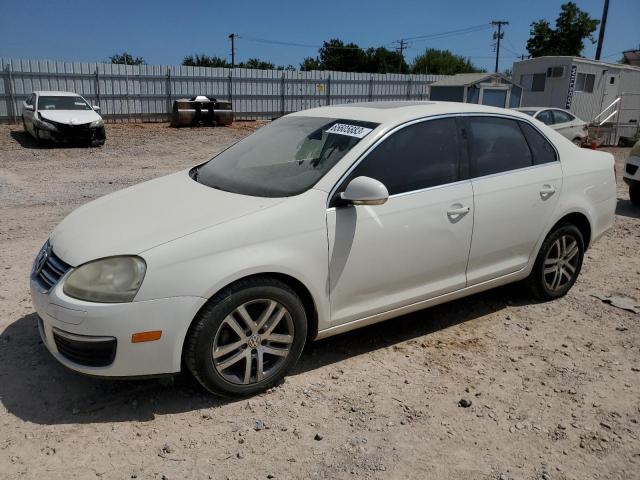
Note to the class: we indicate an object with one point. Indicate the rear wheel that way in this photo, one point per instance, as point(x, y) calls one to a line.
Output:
point(634, 194)
point(247, 337)
point(558, 263)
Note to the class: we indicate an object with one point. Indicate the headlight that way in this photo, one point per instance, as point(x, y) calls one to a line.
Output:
point(97, 123)
point(109, 280)
point(43, 124)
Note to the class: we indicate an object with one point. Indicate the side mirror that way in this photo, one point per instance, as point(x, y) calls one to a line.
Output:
point(96, 108)
point(27, 107)
point(365, 191)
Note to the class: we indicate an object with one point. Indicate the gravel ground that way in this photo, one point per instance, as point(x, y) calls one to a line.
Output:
point(553, 388)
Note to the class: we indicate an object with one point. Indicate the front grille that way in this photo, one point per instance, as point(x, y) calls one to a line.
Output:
point(631, 169)
point(87, 351)
point(47, 274)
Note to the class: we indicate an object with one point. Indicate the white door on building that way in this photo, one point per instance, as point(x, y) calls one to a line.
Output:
point(610, 90)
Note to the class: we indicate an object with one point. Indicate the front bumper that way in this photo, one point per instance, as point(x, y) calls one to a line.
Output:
point(111, 325)
point(73, 133)
point(631, 174)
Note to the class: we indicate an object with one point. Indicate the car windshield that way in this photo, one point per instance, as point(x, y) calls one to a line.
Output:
point(62, 103)
point(284, 158)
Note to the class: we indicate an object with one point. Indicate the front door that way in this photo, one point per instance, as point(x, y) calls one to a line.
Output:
point(516, 180)
point(416, 245)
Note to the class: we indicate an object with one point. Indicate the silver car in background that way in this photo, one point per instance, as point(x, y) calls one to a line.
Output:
point(563, 122)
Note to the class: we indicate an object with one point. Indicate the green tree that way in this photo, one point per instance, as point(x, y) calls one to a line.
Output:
point(257, 64)
point(567, 38)
point(341, 57)
point(310, 63)
point(126, 58)
point(349, 57)
point(442, 62)
point(204, 61)
point(383, 60)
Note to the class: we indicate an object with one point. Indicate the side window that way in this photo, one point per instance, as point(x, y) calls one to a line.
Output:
point(561, 117)
point(542, 150)
point(545, 117)
point(496, 145)
point(422, 155)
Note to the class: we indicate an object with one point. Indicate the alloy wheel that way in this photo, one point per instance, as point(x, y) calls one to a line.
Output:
point(253, 342)
point(561, 262)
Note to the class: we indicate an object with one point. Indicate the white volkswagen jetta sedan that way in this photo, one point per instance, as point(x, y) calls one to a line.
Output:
point(323, 221)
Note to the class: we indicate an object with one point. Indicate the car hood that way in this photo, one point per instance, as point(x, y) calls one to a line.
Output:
point(141, 217)
point(70, 117)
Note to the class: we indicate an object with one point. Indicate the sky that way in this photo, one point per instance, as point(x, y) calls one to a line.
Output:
point(163, 32)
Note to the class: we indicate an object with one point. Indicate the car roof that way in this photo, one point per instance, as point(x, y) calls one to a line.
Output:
point(400, 111)
point(55, 93)
point(537, 109)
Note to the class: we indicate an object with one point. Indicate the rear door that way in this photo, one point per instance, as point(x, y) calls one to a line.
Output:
point(516, 179)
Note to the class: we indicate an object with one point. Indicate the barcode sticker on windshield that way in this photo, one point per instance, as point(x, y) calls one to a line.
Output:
point(351, 130)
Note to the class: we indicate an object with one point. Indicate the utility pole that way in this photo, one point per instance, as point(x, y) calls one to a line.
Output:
point(603, 24)
point(401, 50)
point(497, 36)
point(233, 49)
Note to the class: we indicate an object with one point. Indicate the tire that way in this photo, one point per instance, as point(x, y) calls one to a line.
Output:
point(220, 342)
point(560, 243)
point(634, 194)
point(36, 136)
point(577, 141)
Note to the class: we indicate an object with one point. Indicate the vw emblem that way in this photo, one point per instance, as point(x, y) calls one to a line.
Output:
point(41, 259)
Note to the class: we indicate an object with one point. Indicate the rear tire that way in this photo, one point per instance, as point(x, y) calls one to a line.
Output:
point(247, 337)
point(558, 263)
point(634, 194)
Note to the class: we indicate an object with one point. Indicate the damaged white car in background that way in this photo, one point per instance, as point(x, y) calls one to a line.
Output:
point(62, 117)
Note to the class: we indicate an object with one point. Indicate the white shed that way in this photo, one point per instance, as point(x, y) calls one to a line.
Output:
point(593, 91)
point(483, 88)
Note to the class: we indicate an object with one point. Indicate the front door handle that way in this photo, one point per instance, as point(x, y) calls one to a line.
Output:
point(457, 211)
point(547, 191)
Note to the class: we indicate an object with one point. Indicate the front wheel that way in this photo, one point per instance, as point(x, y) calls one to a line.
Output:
point(634, 194)
point(247, 337)
point(558, 263)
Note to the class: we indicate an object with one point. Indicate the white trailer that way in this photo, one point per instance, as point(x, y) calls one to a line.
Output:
point(607, 95)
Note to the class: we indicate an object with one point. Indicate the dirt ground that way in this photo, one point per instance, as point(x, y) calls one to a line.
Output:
point(555, 387)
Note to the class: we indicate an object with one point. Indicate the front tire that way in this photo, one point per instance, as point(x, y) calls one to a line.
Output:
point(558, 263)
point(247, 337)
point(634, 194)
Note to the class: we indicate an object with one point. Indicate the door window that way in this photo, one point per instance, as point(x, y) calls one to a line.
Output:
point(545, 117)
point(496, 145)
point(561, 117)
point(421, 155)
point(541, 149)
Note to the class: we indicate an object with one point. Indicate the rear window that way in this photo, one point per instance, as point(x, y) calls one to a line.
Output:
point(496, 145)
point(541, 149)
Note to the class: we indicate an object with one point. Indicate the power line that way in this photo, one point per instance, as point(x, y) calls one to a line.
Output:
point(450, 33)
point(405, 41)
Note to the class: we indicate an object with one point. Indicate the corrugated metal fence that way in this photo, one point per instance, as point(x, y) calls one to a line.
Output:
point(132, 93)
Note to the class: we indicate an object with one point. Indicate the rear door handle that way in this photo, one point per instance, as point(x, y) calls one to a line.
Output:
point(547, 191)
point(457, 211)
